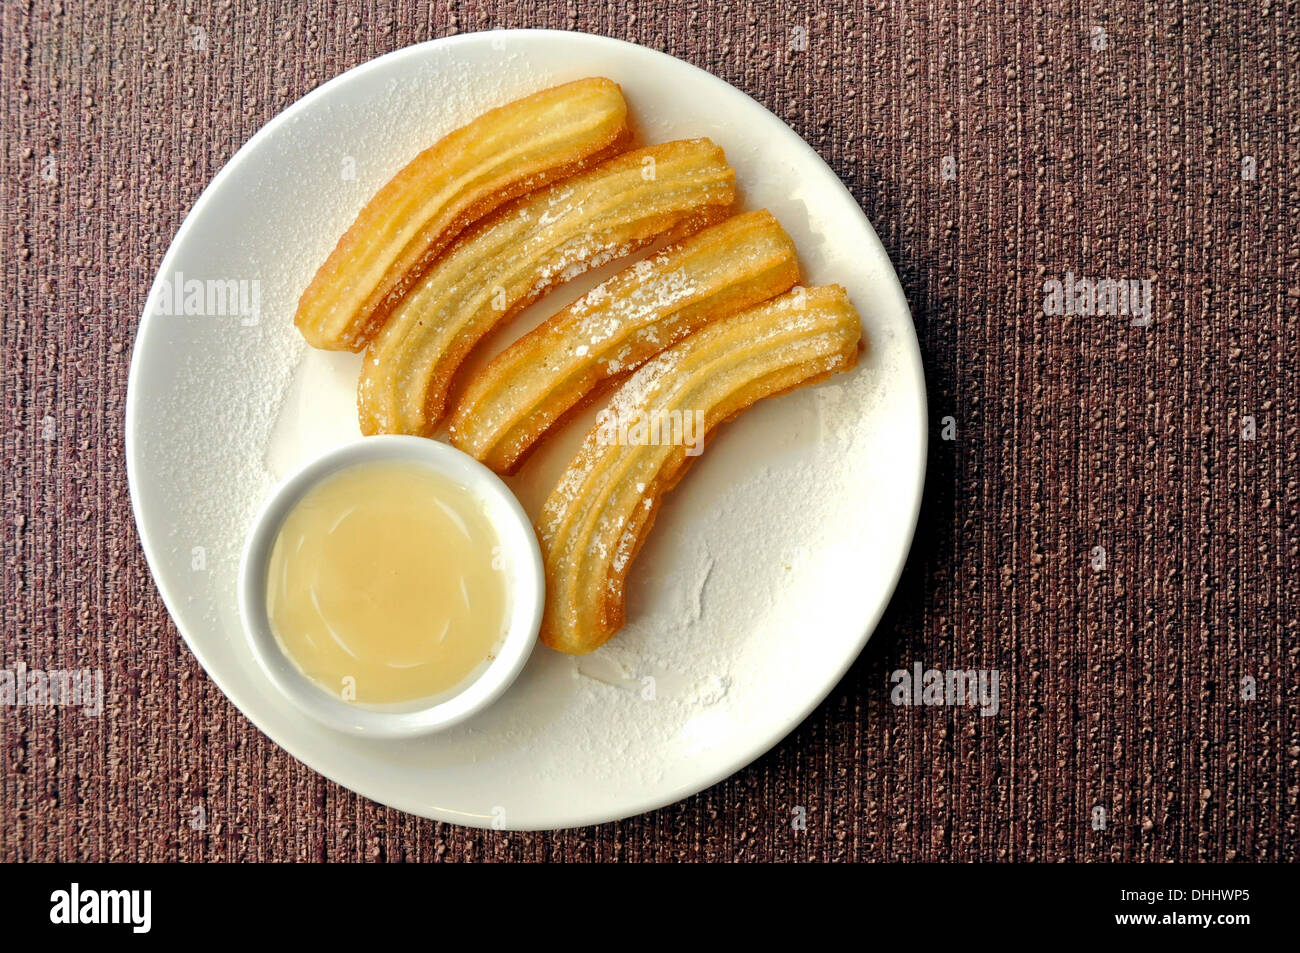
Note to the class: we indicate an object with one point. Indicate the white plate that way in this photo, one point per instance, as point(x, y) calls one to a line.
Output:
point(769, 565)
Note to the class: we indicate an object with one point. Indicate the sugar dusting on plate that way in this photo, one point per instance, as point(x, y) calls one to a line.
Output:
point(714, 631)
point(226, 397)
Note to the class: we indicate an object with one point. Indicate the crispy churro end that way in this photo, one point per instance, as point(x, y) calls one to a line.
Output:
point(466, 175)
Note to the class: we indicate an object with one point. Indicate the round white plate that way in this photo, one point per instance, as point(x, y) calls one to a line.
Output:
point(769, 565)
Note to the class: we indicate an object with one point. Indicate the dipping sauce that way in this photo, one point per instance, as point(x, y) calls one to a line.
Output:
point(384, 584)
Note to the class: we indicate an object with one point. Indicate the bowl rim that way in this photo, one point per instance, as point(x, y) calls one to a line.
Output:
point(526, 591)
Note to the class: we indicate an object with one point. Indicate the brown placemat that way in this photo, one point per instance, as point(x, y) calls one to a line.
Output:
point(994, 148)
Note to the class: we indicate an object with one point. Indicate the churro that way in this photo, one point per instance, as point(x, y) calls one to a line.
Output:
point(669, 190)
point(595, 520)
point(458, 180)
point(614, 329)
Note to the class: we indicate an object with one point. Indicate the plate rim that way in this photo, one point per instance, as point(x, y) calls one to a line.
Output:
point(582, 817)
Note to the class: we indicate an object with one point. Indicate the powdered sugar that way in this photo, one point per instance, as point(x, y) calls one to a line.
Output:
point(761, 561)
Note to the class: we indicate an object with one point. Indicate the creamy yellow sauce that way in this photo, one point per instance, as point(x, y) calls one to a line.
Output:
point(383, 584)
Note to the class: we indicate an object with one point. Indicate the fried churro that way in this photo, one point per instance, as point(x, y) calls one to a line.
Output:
point(458, 180)
point(614, 329)
point(669, 190)
point(595, 520)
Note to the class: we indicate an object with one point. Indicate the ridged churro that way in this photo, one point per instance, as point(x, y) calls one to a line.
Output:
point(595, 520)
point(458, 180)
point(669, 190)
point(616, 328)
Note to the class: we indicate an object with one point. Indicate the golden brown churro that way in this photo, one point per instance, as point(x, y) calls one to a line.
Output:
point(545, 238)
point(474, 170)
point(597, 517)
point(617, 327)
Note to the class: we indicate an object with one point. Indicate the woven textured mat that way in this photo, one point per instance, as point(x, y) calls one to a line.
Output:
point(996, 149)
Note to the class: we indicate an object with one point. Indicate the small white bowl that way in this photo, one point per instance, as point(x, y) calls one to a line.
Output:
point(526, 588)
